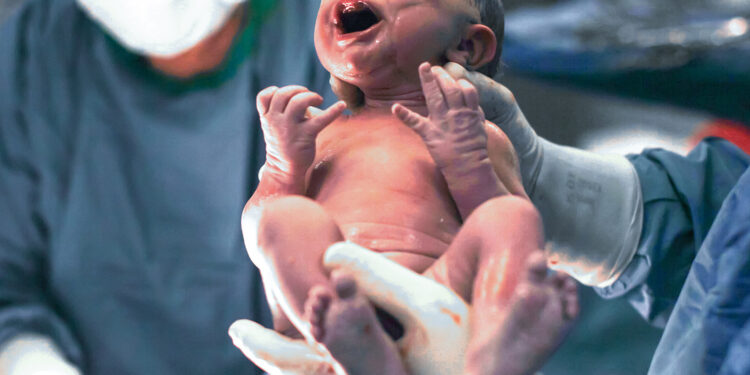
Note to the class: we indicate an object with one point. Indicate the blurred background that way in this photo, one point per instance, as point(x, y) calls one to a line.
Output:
point(620, 76)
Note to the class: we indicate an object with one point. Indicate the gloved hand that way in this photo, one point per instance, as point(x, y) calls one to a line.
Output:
point(435, 320)
point(591, 204)
point(290, 129)
point(33, 354)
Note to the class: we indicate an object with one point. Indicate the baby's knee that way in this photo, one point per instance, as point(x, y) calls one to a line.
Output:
point(507, 210)
point(287, 218)
point(507, 221)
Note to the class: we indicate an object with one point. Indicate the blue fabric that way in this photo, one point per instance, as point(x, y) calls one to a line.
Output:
point(737, 361)
point(682, 196)
point(121, 193)
point(707, 332)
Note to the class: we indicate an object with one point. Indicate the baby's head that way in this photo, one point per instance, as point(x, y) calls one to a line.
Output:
point(380, 43)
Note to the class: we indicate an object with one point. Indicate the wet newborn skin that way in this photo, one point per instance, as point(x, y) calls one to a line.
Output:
point(377, 179)
point(416, 175)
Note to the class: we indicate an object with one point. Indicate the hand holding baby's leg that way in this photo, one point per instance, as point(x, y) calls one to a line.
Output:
point(455, 137)
point(435, 320)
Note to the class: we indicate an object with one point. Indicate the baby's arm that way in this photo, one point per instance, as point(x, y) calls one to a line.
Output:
point(456, 138)
point(289, 131)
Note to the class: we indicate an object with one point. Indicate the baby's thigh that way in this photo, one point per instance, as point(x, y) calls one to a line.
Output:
point(292, 235)
point(497, 236)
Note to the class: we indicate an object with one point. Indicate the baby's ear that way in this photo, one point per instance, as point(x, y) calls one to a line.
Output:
point(477, 47)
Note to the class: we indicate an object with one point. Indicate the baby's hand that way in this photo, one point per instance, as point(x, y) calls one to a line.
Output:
point(455, 137)
point(454, 129)
point(290, 129)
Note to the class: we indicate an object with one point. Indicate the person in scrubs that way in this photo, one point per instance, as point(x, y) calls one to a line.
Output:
point(129, 142)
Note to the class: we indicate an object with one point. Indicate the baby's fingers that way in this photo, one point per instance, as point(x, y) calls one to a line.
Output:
point(411, 119)
point(281, 98)
point(321, 119)
point(452, 92)
point(298, 104)
point(263, 100)
point(431, 89)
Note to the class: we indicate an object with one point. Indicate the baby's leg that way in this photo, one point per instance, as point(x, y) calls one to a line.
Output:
point(538, 317)
point(486, 264)
point(484, 261)
point(293, 234)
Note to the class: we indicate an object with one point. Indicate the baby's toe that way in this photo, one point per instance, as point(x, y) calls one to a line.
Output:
point(344, 284)
point(317, 304)
point(570, 299)
point(530, 299)
point(536, 267)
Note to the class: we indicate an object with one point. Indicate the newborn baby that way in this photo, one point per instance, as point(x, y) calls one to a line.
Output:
point(417, 174)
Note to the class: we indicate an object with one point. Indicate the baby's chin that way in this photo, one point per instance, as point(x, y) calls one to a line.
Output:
point(370, 79)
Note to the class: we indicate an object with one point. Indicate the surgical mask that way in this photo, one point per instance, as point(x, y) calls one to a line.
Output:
point(161, 28)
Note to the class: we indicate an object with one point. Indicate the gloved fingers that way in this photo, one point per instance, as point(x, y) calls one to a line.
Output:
point(411, 119)
point(382, 279)
point(350, 94)
point(263, 100)
point(278, 354)
point(322, 119)
point(451, 91)
point(297, 107)
point(433, 94)
point(470, 94)
point(455, 70)
point(498, 102)
point(282, 96)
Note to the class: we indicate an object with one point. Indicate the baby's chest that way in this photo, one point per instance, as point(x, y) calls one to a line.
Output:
point(379, 149)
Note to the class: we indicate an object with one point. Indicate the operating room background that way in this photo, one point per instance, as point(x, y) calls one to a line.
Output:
point(610, 338)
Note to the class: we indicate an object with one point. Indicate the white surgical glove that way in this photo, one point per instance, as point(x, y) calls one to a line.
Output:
point(591, 204)
point(33, 354)
point(436, 320)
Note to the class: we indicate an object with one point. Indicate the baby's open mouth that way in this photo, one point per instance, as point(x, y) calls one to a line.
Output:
point(354, 16)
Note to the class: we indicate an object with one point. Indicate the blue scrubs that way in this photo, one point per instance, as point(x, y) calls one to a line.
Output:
point(121, 190)
point(682, 196)
point(709, 329)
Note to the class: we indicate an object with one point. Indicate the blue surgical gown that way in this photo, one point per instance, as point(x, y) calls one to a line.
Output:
point(709, 328)
point(121, 190)
point(682, 196)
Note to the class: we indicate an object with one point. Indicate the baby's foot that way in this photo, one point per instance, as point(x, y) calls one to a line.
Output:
point(539, 316)
point(345, 322)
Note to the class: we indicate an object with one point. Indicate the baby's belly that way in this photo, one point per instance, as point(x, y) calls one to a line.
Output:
point(409, 247)
point(413, 230)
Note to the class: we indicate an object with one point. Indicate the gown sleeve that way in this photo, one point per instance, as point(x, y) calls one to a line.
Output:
point(682, 196)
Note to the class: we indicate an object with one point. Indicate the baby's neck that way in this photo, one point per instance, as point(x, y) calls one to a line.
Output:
point(409, 96)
